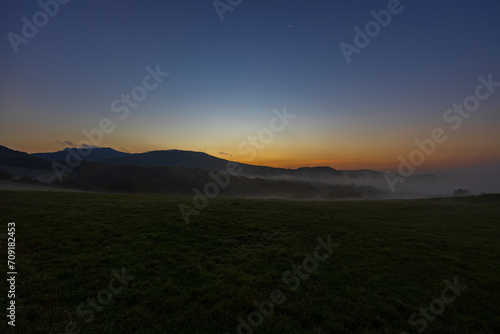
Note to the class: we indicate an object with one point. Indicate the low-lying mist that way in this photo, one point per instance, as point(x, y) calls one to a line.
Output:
point(477, 180)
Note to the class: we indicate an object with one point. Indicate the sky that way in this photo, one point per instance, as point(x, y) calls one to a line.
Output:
point(228, 77)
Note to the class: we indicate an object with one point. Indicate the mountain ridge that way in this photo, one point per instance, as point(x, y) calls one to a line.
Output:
point(96, 154)
point(192, 163)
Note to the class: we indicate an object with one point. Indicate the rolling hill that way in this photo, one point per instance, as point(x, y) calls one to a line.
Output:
point(13, 158)
point(177, 171)
point(94, 154)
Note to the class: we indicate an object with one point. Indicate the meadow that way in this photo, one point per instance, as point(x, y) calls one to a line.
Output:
point(128, 263)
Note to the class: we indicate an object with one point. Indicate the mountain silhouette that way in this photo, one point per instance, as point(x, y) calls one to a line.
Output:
point(170, 158)
point(13, 158)
point(94, 154)
point(100, 166)
point(204, 161)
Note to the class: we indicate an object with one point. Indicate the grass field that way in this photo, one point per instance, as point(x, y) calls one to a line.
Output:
point(392, 259)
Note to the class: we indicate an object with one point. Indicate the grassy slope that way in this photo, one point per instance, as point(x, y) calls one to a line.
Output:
point(198, 278)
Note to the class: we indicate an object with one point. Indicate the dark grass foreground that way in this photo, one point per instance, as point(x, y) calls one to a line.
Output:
point(199, 278)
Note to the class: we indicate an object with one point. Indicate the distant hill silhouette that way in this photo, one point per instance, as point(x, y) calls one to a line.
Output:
point(204, 161)
point(9, 157)
point(96, 154)
point(170, 158)
point(190, 159)
point(178, 171)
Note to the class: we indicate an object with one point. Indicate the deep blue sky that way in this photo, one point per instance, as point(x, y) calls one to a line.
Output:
point(226, 78)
